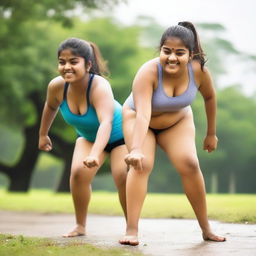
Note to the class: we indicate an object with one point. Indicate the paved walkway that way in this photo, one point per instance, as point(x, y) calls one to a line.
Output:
point(159, 237)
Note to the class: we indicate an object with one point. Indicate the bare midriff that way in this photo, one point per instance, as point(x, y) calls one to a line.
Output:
point(161, 120)
point(167, 119)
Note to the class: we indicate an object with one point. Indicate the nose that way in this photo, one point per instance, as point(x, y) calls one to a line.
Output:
point(172, 56)
point(67, 65)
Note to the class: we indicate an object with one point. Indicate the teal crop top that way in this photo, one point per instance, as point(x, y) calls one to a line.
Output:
point(164, 103)
point(87, 125)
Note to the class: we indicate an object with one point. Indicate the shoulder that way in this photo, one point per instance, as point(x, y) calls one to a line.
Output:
point(100, 82)
point(100, 88)
point(199, 73)
point(149, 66)
point(55, 90)
point(148, 71)
point(56, 84)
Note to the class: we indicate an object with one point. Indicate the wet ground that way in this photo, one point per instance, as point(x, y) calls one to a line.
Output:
point(158, 237)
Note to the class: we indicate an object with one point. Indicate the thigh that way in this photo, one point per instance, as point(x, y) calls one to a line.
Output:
point(81, 150)
point(117, 163)
point(178, 141)
point(149, 145)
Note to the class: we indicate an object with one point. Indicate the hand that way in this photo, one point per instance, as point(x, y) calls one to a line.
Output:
point(134, 158)
point(91, 161)
point(45, 143)
point(210, 143)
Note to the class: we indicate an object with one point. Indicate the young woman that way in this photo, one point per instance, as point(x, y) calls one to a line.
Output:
point(86, 102)
point(158, 112)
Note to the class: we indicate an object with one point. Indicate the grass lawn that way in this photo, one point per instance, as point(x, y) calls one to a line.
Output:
point(22, 246)
point(237, 208)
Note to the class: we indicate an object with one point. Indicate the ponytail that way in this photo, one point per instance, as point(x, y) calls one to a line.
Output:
point(198, 53)
point(99, 65)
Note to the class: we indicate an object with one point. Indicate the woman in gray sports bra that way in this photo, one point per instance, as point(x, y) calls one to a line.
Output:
point(158, 111)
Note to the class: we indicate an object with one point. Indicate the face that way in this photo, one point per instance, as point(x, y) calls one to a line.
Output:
point(71, 67)
point(174, 56)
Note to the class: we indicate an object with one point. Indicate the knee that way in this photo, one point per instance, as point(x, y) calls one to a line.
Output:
point(78, 175)
point(188, 166)
point(120, 179)
point(145, 172)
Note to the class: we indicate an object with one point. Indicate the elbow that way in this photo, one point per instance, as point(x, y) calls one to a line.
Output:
point(47, 105)
point(210, 98)
point(107, 124)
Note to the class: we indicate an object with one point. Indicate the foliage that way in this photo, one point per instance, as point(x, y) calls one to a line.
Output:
point(30, 33)
point(28, 60)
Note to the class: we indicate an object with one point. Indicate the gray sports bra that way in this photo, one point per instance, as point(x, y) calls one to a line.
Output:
point(163, 103)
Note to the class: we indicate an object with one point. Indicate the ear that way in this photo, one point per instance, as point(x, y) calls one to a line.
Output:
point(88, 66)
point(191, 55)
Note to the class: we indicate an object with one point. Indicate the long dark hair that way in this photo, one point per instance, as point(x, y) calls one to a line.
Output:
point(187, 33)
point(87, 50)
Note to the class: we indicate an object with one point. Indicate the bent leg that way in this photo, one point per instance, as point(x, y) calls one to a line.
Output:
point(80, 184)
point(137, 180)
point(179, 144)
point(119, 173)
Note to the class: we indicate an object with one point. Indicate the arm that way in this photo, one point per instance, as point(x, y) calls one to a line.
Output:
point(209, 95)
point(142, 95)
point(49, 112)
point(103, 102)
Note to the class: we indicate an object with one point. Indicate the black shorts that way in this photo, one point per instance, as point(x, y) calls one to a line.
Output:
point(157, 131)
point(112, 145)
point(115, 144)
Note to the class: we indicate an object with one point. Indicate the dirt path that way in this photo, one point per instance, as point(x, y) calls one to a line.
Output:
point(159, 237)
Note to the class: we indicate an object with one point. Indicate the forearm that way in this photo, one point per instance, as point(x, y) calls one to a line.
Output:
point(210, 108)
point(48, 116)
point(102, 138)
point(139, 132)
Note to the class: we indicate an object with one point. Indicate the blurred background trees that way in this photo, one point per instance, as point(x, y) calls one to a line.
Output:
point(30, 33)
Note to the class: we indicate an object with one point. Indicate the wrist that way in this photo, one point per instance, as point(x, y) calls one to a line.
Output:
point(135, 149)
point(43, 134)
point(211, 134)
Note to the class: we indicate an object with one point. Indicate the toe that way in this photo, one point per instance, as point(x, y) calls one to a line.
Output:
point(214, 238)
point(74, 234)
point(129, 240)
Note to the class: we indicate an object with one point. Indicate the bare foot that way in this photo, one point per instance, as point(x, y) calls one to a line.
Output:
point(212, 237)
point(129, 240)
point(78, 231)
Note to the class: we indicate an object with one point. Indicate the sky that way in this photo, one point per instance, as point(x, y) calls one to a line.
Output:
point(237, 16)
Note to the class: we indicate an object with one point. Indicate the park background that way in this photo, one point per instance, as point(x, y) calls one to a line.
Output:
point(127, 33)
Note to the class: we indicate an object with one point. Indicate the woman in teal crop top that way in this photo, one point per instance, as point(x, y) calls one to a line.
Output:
point(86, 102)
point(159, 112)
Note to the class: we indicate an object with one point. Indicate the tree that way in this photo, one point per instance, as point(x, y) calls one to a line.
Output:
point(22, 51)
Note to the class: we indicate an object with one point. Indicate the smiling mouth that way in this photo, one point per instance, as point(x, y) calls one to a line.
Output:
point(172, 64)
point(68, 73)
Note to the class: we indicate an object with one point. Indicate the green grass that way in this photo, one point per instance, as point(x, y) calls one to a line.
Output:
point(22, 246)
point(240, 208)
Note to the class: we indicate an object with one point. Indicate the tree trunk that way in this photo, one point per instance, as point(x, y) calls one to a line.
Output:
point(20, 175)
point(63, 185)
point(232, 183)
point(214, 183)
point(63, 150)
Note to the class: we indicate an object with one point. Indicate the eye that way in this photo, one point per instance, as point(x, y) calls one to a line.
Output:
point(166, 51)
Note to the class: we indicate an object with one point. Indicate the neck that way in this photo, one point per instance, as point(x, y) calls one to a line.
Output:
point(81, 84)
